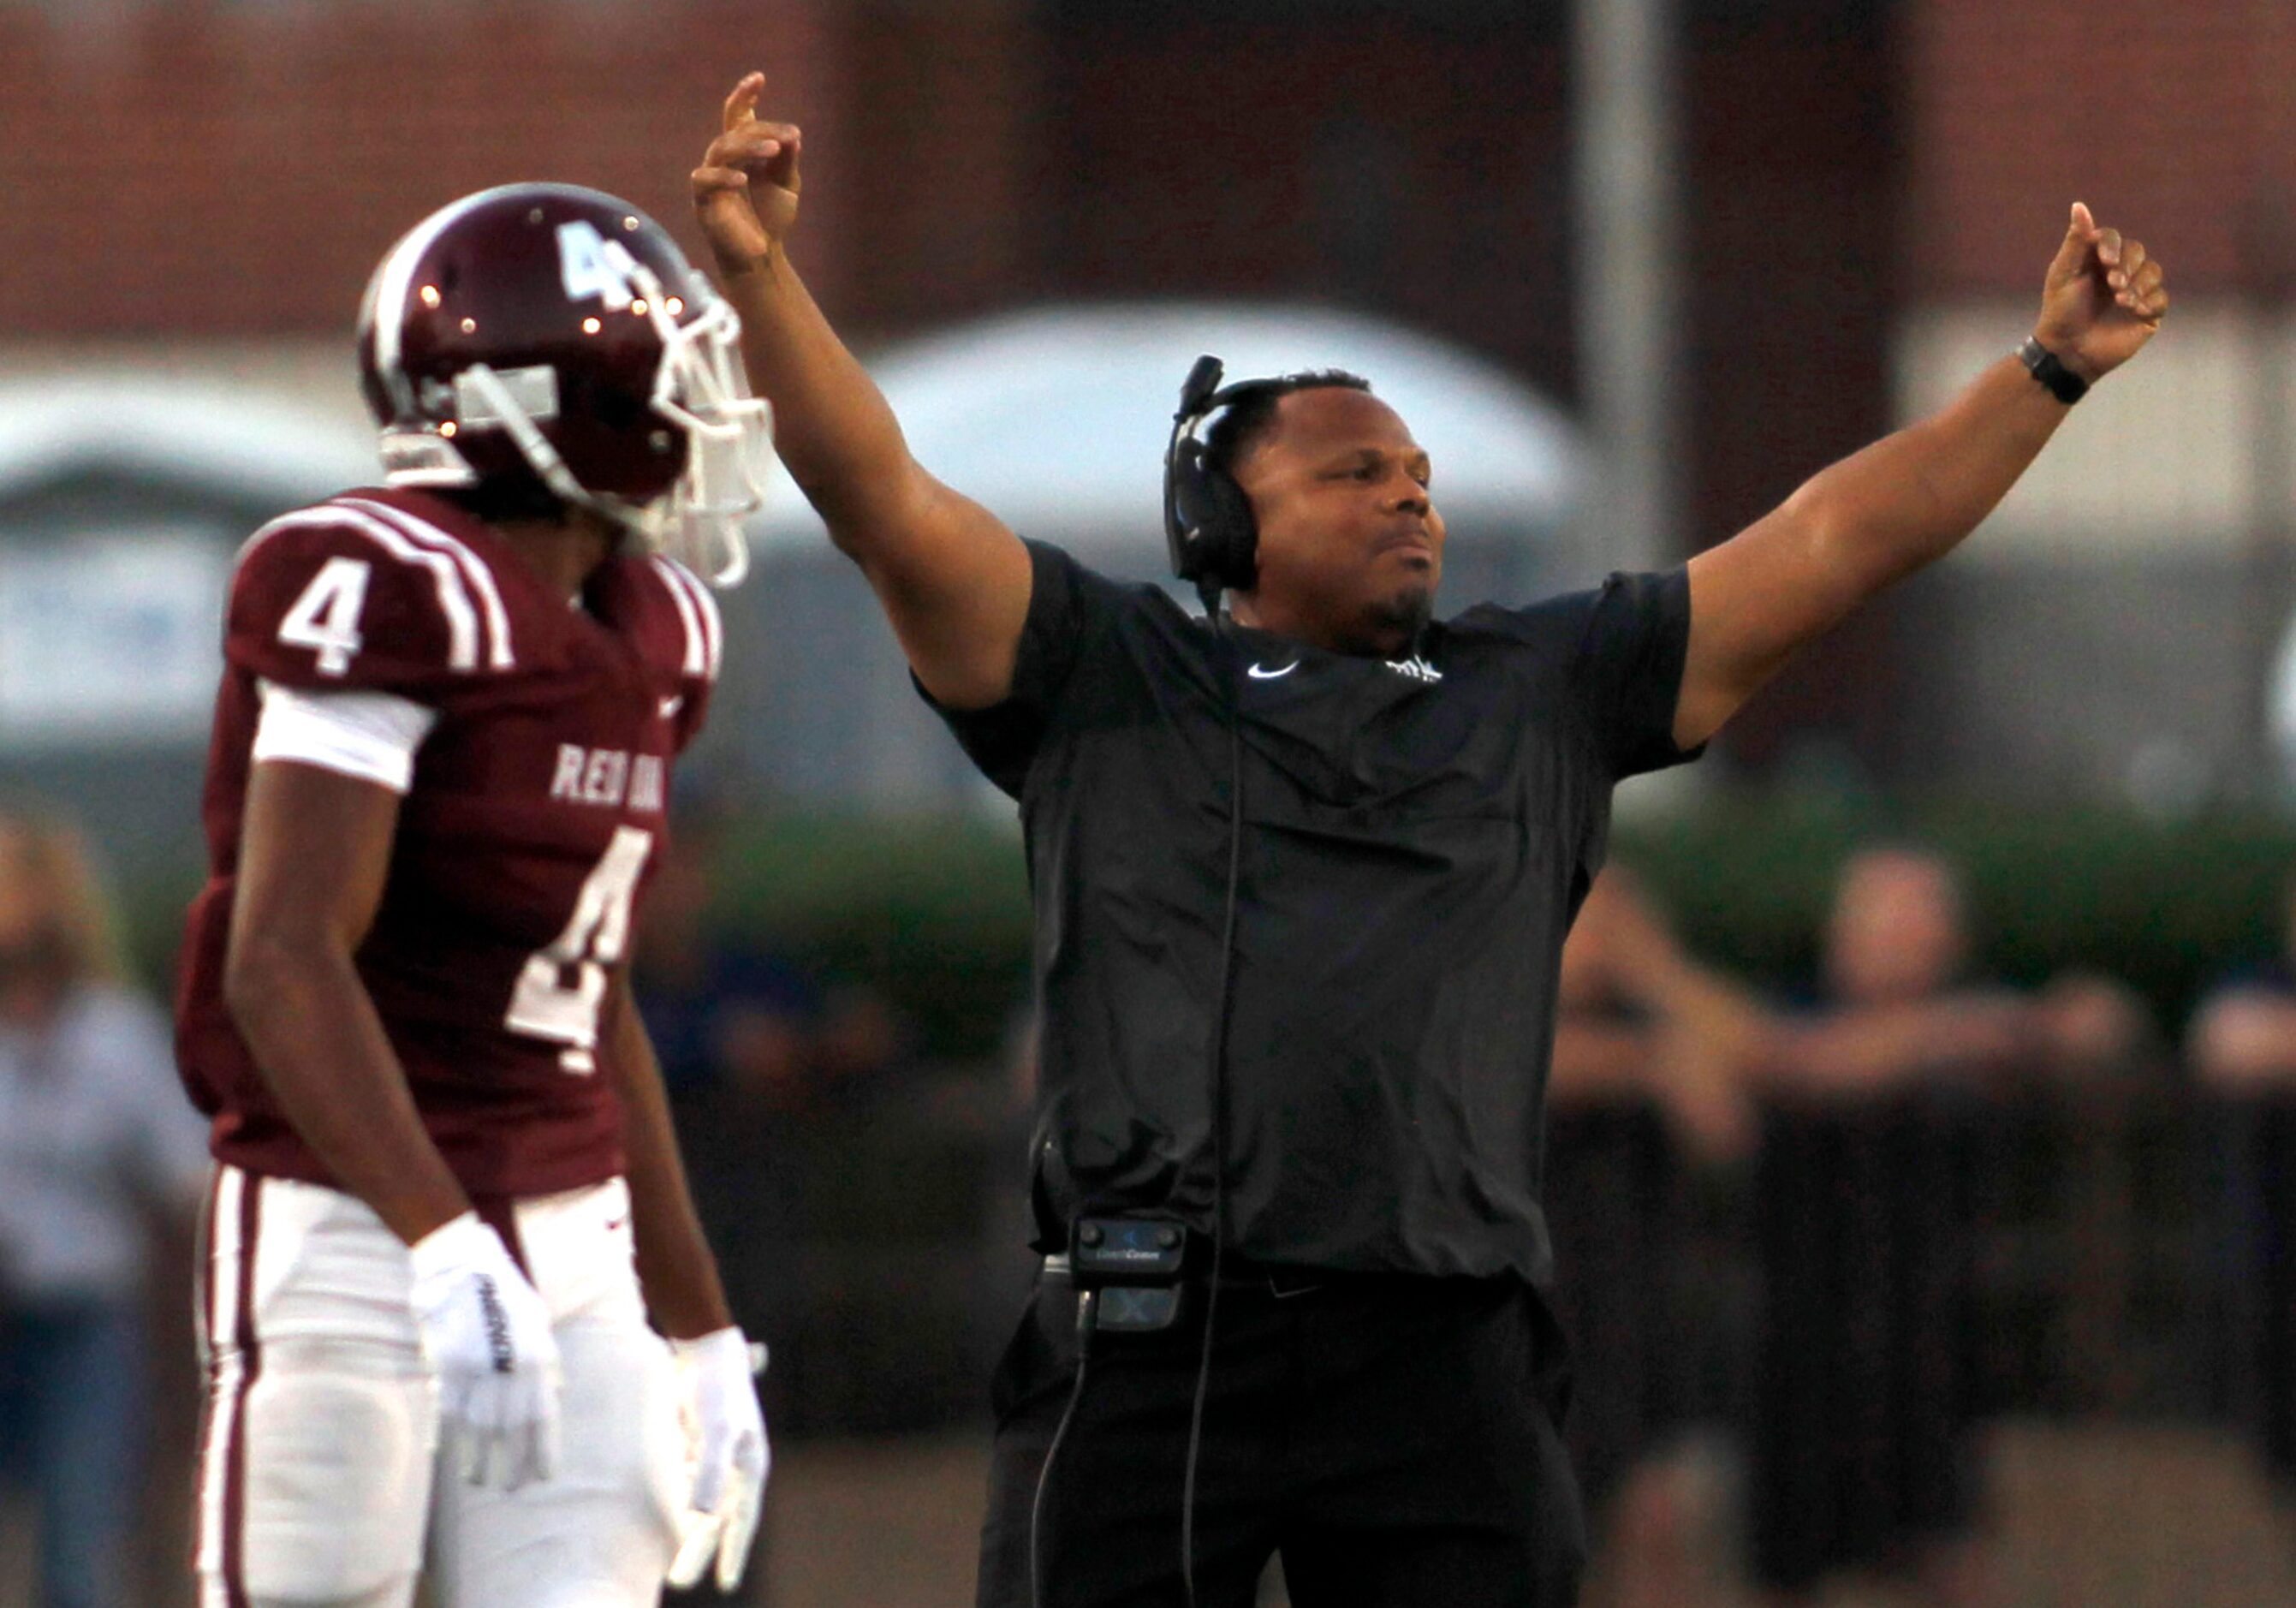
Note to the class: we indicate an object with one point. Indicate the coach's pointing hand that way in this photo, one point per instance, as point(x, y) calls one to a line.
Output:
point(2103, 299)
point(745, 191)
point(487, 1336)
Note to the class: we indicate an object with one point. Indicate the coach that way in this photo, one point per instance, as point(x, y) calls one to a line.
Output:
point(1310, 1031)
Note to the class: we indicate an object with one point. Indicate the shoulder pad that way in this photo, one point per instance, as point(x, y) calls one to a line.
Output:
point(357, 594)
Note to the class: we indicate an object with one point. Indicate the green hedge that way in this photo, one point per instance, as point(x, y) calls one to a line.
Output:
point(2166, 907)
point(935, 908)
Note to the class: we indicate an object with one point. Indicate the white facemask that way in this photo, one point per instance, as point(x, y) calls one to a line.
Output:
point(729, 448)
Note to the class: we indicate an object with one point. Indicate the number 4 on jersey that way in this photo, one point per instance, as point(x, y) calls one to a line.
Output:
point(546, 1006)
point(326, 616)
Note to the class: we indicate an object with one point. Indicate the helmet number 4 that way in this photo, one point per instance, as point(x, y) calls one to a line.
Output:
point(590, 267)
point(562, 987)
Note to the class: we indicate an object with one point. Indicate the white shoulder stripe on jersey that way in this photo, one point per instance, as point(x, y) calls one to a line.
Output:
point(705, 606)
point(454, 601)
point(711, 624)
point(474, 568)
point(697, 642)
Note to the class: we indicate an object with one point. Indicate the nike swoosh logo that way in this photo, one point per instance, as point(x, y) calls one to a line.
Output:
point(1260, 672)
point(670, 706)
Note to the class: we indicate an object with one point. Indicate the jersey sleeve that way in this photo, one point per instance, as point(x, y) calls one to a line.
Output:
point(367, 736)
point(1633, 642)
point(331, 599)
point(1615, 653)
point(1065, 602)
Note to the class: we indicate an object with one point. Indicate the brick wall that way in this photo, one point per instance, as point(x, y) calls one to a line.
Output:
point(227, 169)
point(2177, 117)
point(1380, 161)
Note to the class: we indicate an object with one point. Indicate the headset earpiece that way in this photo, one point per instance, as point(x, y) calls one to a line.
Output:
point(1217, 530)
point(1208, 519)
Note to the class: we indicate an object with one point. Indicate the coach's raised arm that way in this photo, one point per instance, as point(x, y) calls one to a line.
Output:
point(953, 581)
point(1907, 500)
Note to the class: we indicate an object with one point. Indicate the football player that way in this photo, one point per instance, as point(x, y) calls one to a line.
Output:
point(447, 1192)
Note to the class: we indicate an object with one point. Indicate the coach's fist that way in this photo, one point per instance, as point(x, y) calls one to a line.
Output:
point(2102, 300)
point(745, 191)
point(487, 1336)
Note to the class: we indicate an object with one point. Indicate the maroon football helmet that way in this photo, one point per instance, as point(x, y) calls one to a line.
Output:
point(550, 333)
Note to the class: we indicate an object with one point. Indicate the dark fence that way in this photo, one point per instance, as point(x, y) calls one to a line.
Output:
point(1882, 1275)
point(1890, 1270)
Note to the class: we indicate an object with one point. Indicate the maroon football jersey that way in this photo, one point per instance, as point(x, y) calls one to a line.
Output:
point(534, 814)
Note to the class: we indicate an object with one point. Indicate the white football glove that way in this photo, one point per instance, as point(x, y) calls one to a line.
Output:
point(487, 1335)
point(728, 1430)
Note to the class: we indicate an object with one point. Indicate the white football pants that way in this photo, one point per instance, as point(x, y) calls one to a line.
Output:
point(320, 1480)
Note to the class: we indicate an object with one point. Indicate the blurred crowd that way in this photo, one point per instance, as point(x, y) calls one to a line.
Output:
point(1806, 1241)
point(100, 1157)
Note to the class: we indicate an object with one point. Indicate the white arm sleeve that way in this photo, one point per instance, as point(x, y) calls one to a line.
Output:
point(371, 736)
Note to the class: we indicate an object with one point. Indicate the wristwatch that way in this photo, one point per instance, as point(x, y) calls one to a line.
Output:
point(2048, 368)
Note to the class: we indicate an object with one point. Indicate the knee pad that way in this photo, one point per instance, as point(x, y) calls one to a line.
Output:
point(338, 1488)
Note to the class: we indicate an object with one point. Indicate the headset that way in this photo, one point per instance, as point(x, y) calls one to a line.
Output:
point(1213, 540)
point(1208, 520)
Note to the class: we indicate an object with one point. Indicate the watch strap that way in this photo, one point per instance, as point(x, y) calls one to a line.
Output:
point(2049, 370)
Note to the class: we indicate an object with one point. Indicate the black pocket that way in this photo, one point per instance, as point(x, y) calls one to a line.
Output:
point(1550, 1376)
point(1003, 1380)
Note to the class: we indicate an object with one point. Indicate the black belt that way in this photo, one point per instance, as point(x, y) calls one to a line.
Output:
point(1277, 1279)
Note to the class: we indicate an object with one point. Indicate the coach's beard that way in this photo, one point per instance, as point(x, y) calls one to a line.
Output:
point(1405, 613)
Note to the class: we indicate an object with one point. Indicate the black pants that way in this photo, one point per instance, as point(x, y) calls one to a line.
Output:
point(1393, 1437)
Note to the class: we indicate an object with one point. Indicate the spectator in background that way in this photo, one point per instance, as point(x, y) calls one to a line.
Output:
point(2243, 1036)
point(1859, 1459)
point(1895, 1003)
point(729, 1020)
point(94, 1140)
point(1864, 1212)
point(732, 1026)
point(776, 1079)
point(1652, 1118)
point(742, 1032)
point(2241, 1046)
point(1638, 1017)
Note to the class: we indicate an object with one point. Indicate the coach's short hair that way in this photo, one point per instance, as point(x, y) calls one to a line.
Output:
point(1238, 425)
